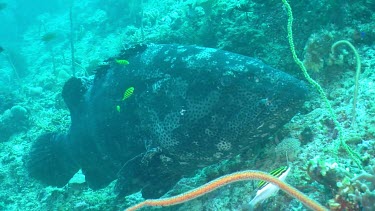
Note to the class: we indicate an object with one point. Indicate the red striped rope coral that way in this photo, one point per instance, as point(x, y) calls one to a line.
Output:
point(228, 179)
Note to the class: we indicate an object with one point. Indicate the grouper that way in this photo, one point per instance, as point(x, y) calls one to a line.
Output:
point(156, 113)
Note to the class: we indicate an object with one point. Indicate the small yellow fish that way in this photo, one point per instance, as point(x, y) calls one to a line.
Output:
point(128, 93)
point(48, 37)
point(118, 108)
point(122, 61)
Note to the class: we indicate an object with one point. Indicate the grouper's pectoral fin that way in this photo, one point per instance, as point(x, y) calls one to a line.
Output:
point(98, 178)
point(155, 173)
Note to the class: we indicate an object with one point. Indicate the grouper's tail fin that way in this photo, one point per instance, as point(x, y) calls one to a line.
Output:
point(50, 160)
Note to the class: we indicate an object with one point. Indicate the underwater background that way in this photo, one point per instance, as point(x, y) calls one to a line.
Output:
point(36, 42)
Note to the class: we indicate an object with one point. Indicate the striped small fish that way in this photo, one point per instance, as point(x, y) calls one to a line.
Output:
point(128, 93)
point(276, 173)
point(265, 189)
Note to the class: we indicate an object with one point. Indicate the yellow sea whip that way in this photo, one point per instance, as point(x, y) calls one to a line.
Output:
point(228, 179)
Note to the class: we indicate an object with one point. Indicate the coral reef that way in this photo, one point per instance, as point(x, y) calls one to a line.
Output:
point(13, 120)
point(364, 185)
point(33, 78)
point(349, 191)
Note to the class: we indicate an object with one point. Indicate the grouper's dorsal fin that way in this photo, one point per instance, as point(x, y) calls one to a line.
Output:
point(133, 50)
point(101, 71)
point(73, 92)
point(104, 66)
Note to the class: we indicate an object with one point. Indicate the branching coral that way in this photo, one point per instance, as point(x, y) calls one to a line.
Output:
point(349, 193)
point(365, 189)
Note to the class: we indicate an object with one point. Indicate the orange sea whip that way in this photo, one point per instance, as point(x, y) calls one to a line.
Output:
point(227, 179)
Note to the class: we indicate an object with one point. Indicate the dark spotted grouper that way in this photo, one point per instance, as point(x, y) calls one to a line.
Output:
point(157, 112)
